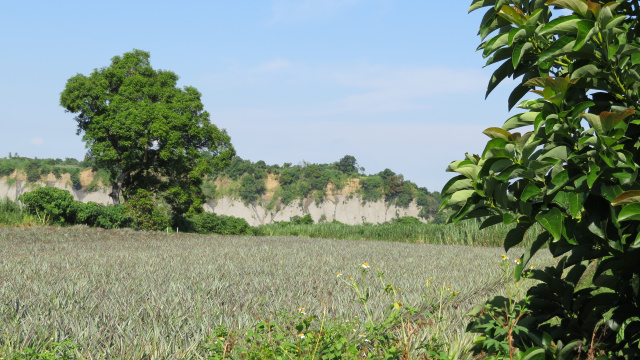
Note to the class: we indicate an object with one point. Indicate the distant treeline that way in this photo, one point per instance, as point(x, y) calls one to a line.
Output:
point(35, 169)
point(297, 182)
point(248, 181)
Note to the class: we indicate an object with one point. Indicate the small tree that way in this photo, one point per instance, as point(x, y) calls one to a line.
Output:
point(575, 174)
point(148, 133)
point(348, 164)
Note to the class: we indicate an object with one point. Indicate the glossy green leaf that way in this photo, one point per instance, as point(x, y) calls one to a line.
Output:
point(530, 191)
point(516, 95)
point(495, 43)
point(559, 47)
point(497, 133)
point(552, 221)
point(630, 212)
point(587, 71)
point(460, 197)
point(502, 72)
point(558, 181)
point(578, 6)
point(518, 52)
point(491, 221)
point(561, 24)
point(594, 121)
point(516, 235)
point(457, 183)
point(586, 30)
point(477, 4)
point(558, 152)
point(520, 120)
point(534, 354)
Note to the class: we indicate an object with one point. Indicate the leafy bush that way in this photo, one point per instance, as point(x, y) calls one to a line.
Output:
point(50, 205)
point(251, 188)
point(211, 223)
point(97, 215)
point(6, 167)
point(33, 171)
point(372, 188)
point(144, 212)
point(301, 220)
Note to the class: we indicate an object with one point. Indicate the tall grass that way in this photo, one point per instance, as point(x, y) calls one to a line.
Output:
point(463, 233)
point(12, 214)
point(144, 295)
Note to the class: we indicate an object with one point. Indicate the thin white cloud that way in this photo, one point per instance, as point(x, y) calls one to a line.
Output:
point(296, 11)
point(351, 88)
point(36, 141)
point(276, 64)
point(405, 88)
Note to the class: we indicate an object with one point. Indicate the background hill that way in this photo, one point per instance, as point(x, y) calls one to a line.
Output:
point(257, 192)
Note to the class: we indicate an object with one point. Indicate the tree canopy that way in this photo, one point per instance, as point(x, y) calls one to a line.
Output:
point(148, 133)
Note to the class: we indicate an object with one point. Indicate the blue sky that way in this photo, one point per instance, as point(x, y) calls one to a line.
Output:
point(397, 84)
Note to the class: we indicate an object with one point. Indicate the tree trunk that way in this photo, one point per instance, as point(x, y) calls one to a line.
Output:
point(116, 188)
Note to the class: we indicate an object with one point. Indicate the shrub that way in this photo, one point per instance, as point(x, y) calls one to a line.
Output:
point(6, 167)
point(33, 171)
point(372, 188)
point(211, 223)
point(145, 214)
point(50, 205)
point(301, 220)
point(97, 215)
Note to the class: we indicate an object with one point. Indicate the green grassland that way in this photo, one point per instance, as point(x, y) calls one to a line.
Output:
point(152, 295)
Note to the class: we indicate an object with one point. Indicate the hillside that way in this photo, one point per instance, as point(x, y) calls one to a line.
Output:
point(256, 192)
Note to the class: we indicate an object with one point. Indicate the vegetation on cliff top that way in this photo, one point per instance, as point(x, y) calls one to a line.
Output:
point(247, 180)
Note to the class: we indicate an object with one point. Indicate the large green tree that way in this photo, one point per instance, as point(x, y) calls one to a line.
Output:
point(147, 132)
point(572, 172)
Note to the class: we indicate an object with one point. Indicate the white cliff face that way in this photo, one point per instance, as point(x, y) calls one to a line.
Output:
point(346, 208)
point(14, 188)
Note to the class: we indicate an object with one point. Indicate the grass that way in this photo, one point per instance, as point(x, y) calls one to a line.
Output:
point(145, 295)
point(463, 233)
point(12, 214)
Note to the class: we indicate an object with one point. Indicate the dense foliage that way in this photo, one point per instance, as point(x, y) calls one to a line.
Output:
point(575, 174)
point(145, 131)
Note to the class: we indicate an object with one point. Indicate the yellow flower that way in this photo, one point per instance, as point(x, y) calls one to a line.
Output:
point(365, 265)
point(517, 261)
point(301, 336)
point(338, 274)
point(505, 257)
point(301, 310)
